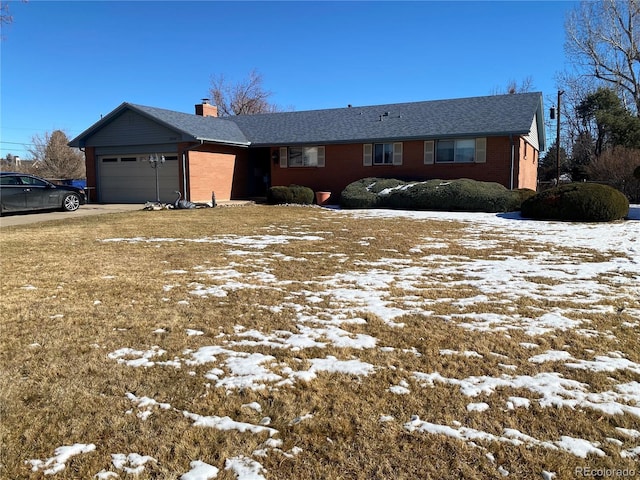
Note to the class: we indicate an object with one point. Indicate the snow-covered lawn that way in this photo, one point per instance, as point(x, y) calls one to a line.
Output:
point(534, 324)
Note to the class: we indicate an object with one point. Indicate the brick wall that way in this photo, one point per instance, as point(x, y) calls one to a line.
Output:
point(343, 165)
point(528, 166)
point(218, 169)
point(206, 110)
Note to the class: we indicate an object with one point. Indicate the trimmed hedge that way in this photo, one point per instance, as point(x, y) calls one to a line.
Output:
point(583, 202)
point(364, 193)
point(448, 195)
point(291, 194)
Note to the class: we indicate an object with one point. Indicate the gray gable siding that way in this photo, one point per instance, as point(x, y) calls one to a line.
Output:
point(131, 124)
point(131, 128)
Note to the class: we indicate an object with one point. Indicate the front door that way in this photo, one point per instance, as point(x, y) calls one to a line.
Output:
point(260, 174)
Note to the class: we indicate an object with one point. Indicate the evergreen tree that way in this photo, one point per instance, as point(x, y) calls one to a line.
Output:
point(54, 158)
point(608, 122)
point(547, 166)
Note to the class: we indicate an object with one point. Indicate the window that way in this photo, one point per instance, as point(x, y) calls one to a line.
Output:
point(36, 182)
point(457, 151)
point(302, 157)
point(8, 180)
point(382, 153)
point(139, 158)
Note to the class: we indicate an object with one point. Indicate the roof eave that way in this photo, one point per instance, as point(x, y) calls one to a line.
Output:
point(395, 138)
point(542, 136)
point(224, 142)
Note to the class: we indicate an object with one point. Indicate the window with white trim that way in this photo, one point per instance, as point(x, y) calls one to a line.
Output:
point(382, 154)
point(303, 156)
point(461, 150)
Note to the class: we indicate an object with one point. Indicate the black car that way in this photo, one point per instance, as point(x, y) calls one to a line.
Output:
point(21, 192)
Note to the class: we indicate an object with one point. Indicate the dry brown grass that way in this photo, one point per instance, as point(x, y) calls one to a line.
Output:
point(92, 297)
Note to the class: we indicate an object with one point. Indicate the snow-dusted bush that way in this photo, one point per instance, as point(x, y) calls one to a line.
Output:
point(448, 195)
point(364, 193)
point(585, 202)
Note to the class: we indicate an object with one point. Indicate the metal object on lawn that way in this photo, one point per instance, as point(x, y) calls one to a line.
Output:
point(155, 163)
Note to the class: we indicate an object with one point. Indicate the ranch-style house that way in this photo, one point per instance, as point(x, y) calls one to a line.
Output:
point(493, 138)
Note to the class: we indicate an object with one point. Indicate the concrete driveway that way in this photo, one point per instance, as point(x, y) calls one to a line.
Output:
point(84, 210)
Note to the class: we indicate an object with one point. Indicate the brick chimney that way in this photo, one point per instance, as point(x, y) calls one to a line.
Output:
point(205, 109)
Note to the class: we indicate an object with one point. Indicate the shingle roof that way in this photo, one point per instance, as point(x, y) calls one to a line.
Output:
point(210, 129)
point(476, 116)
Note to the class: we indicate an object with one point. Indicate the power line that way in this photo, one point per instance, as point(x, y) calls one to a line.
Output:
point(18, 143)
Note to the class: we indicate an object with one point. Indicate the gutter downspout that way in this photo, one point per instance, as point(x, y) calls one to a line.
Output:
point(187, 195)
point(512, 161)
point(184, 173)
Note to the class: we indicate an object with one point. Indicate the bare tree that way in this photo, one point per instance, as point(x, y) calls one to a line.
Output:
point(616, 167)
point(53, 158)
point(5, 16)
point(526, 85)
point(603, 37)
point(576, 88)
point(247, 97)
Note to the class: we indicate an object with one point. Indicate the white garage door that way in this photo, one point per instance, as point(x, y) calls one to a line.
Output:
point(131, 179)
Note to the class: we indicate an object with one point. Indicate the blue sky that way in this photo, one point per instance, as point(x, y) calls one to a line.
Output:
point(64, 64)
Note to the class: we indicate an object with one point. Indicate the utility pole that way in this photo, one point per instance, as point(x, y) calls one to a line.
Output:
point(560, 92)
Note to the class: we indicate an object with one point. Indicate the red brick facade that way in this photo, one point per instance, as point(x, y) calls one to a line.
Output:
point(215, 169)
point(206, 110)
point(226, 170)
point(344, 164)
point(527, 166)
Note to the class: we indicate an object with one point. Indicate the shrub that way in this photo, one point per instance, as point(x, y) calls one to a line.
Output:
point(364, 193)
point(302, 194)
point(447, 195)
point(586, 202)
point(524, 194)
point(291, 194)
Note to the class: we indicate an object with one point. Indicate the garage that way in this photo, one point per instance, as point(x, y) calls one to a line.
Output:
point(132, 179)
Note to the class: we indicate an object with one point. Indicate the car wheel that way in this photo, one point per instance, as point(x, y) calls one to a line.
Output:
point(71, 202)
